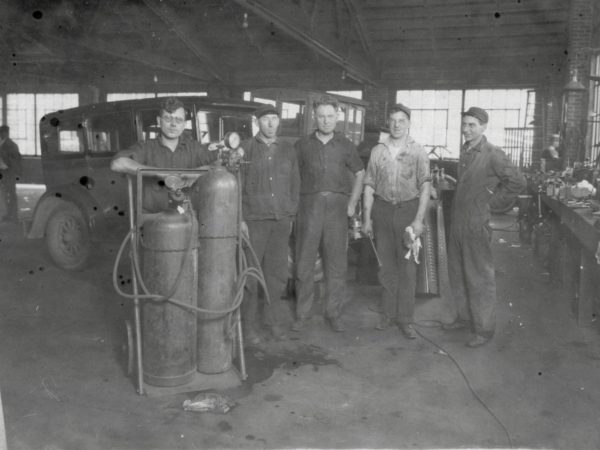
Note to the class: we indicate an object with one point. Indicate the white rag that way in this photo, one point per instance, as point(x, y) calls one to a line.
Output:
point(413, 243)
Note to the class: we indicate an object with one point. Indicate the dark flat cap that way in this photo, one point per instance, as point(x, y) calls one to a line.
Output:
point(264, 110)
point(479, 113)
point(400, 107)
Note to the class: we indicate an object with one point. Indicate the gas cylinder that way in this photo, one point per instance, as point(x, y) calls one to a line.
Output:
point(168, 330)
point(215, 199)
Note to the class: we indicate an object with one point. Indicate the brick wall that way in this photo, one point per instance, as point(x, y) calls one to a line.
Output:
point(581, 14)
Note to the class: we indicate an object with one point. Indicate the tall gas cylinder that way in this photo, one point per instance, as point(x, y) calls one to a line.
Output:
point(168, 330)
point(215, 199)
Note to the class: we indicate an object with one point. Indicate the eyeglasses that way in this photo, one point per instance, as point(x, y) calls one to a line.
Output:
point(173, 119)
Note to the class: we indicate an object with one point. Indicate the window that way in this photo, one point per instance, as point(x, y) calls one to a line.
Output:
point(24, 111)
point(436, 119)
point(241, 125)
point(116, 96)
point(65, 138)
point(182, 94)
point(292, 118)
point(109, 133)
point(208, 126)
point(353, 94)
point(594, 111)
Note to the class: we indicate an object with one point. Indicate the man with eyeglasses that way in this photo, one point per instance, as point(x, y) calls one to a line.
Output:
point(170, 150)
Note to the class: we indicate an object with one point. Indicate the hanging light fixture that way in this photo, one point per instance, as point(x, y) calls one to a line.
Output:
point(574, 84)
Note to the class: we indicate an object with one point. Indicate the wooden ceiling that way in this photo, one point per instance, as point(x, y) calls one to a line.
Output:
point(325, 44)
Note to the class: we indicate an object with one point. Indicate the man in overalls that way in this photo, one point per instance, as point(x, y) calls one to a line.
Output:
point(482, 169)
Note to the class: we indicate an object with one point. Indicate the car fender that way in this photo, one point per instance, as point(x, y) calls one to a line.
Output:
point(58, 196)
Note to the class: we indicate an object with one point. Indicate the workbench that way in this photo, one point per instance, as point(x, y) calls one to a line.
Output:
point(579, 223)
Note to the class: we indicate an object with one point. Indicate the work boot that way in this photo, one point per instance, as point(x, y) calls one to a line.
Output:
point(408, 330)
point(276, 332)
point(298, 325)
point(478, 341)
point(251, 337)
point(336, 324)
point(384, 323)
point(456, 325)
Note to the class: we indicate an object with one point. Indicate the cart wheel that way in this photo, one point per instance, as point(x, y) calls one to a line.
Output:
point(130, 347)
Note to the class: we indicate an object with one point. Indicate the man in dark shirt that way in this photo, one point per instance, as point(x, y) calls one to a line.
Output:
point(270, 186)
point(482, 168)
point(328, 196)
point(170, 150)
point(10, 171)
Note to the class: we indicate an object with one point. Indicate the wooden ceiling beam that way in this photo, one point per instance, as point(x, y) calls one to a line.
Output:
point(150, 59)
point(538, 43)
point(186, 34)
point(461, 32)
point(289, 20)
point(407, 5)
point(360, 27)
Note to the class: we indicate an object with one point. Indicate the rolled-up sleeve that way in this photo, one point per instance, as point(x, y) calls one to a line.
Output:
point(423, 172)
point(137, 152)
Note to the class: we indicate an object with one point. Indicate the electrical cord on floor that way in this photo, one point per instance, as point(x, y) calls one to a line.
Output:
point(437, 324)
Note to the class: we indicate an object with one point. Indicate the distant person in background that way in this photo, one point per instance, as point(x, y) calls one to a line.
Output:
point(551, 159)
point(10, 172)
point(482, 168)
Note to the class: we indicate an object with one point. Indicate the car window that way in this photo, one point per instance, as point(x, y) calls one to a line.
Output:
point(292, 119)
point(208, 126)
point(110, 132)
point(63, 136)
point(241, 124)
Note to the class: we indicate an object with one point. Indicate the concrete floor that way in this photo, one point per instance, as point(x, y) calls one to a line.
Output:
point(64, 385)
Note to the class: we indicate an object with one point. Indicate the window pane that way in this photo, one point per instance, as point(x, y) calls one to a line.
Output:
point(353, 94)
point(182, 94)
point(20, 115)
point(292, 118)
point(115, 96)
point(47, 103)
point(110, 133)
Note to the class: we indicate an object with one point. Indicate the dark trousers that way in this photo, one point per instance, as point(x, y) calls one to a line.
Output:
point(397, 274)
point(472, 275)
point(9, 190)
point(321, 225)
point(270, 242)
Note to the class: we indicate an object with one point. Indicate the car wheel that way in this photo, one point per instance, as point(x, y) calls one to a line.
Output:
point(68, 238)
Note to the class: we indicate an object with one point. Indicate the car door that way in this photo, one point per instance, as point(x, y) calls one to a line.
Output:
point(108, 132)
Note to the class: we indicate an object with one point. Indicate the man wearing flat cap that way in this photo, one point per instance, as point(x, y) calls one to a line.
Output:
point(396, 193)
point(483, 169)
point(270, 186)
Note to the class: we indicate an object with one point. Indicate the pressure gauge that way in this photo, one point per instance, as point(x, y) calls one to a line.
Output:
point(232, 140)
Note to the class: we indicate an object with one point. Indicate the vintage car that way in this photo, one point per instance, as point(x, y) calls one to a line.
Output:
point(84, 200)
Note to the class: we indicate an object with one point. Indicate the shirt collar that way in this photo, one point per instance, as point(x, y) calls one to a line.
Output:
point(408, 142)
point(260, 139)
point(477, 147)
